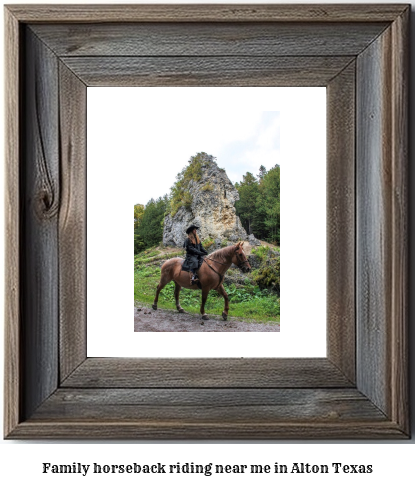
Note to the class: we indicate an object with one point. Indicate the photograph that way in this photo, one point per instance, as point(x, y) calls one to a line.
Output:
point(209, 249)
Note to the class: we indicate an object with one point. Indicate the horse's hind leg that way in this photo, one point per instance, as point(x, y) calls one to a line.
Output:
point(176, 296)
point(163, 282)
point(221, 291)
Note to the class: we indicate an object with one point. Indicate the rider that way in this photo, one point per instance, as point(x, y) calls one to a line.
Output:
point(194, 253)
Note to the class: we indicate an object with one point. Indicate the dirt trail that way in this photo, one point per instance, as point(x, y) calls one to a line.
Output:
point(148, 320)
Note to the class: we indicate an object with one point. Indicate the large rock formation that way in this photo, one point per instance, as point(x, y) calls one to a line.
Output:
point(211, 207)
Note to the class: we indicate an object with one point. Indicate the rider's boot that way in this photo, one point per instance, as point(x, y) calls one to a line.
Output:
point(194, 279)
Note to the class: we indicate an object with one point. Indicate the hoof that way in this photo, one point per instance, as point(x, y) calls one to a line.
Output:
point(225, 316)
point(154, 307)
point(205, 317)
point(180, 310)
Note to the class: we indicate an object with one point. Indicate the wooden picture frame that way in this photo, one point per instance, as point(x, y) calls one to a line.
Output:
point(360, 53)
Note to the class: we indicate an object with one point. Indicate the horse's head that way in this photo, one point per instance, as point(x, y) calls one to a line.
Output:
point(239, 258)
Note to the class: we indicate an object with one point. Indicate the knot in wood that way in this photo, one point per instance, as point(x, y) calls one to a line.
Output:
point(46, 205)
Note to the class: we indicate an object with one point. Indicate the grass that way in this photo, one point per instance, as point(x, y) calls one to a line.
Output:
point(247, 301)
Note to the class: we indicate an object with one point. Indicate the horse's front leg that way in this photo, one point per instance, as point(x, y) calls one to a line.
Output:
point(221, 291)
point(205, 293)
point(176, 296)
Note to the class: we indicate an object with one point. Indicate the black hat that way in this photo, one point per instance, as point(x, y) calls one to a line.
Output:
point(192, 227)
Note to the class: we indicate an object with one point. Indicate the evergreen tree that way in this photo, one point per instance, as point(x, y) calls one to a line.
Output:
point(138, 214)
point(246, 205)
point(259, 228)
point(262, 172)
point(149, 231)
point(259, 203)
point(271, 192)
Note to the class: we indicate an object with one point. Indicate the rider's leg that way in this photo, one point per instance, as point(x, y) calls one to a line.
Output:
point(194, 276)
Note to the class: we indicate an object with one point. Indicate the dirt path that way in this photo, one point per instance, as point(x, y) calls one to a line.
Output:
point(148, 320)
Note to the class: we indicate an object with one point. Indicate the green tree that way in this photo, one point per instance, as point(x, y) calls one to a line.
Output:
point(248, 190)
point(262, 173)
point(259, 203)
point(138, 243)
point(271, 196)
point(149, 231)
point(138, 214)
point(259, 227)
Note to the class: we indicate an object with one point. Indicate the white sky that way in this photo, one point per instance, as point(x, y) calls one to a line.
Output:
point(156, 130)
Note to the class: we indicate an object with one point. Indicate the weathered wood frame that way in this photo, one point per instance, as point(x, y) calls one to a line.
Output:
point(359, 52)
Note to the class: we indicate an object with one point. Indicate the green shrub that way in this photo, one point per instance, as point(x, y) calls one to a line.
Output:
point(207, 186)
point(180, 195)
point(268, 275)
point(208, 242)
point(261, 251)
point(181, 198)
point(224, 243)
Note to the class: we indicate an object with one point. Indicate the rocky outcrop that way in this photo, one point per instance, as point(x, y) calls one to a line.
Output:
point(212, 208)
point(253, 241)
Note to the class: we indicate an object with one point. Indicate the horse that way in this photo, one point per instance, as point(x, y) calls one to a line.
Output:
point(211, 275)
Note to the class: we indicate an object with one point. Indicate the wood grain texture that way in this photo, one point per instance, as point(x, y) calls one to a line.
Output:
point(40, 205)
point(188, 430)
point(209, 39)
point(341, 238)
point(374, 222)
point(400, 232)
point(206, 13)
point(209, 405)
point(219, 398)
point(206, 71)
point(72, 222)
point(12, 383)
point(206, 373)
point(382, 223)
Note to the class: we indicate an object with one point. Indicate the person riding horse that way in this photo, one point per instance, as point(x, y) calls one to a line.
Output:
point(194, 253)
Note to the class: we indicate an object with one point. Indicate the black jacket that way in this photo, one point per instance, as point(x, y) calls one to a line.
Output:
point(194, 253)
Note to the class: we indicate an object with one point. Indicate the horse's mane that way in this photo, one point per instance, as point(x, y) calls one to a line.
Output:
point(222, 253)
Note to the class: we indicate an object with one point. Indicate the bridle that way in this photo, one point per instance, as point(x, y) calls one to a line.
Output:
point(238, 255)
point(221, 277)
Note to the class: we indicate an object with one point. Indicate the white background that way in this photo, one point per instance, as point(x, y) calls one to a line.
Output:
point(20, 462)
point(116, 181)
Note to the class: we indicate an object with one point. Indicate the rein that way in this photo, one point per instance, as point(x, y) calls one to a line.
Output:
point(213, 269)
point(239, 262)
point(213, 260)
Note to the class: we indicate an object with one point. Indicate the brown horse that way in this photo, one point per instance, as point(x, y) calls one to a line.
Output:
point(211, 275)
